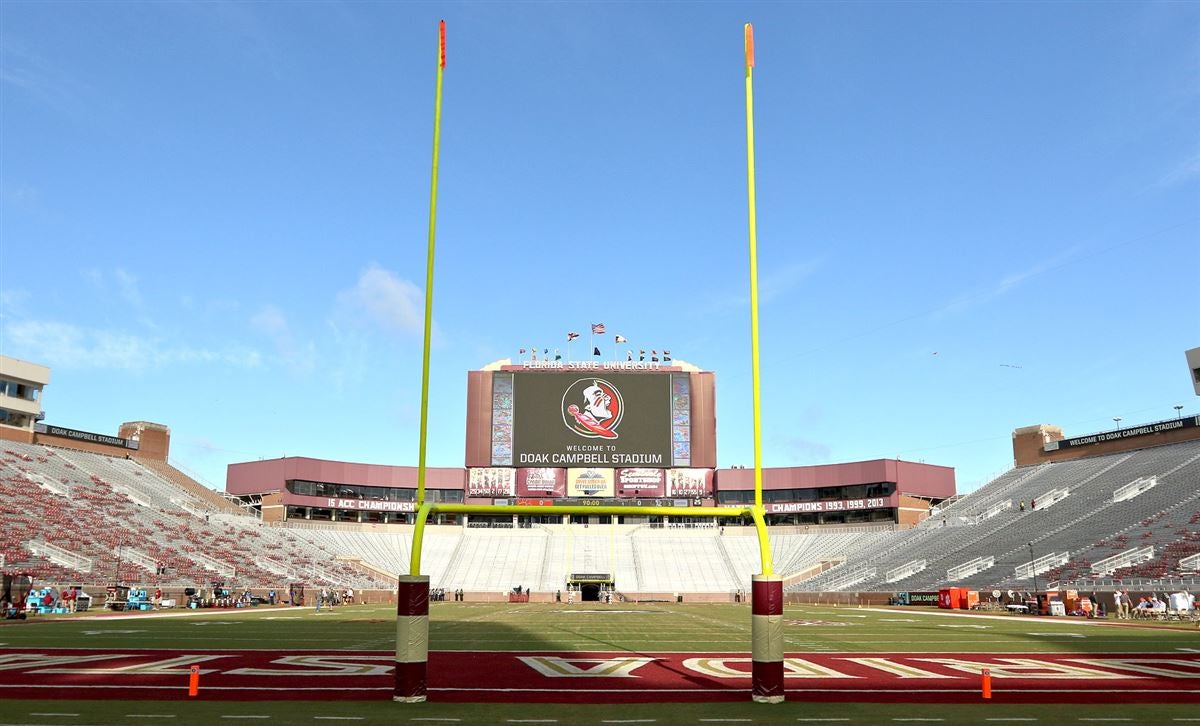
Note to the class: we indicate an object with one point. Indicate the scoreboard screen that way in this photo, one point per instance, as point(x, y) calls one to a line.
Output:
point(590, 419)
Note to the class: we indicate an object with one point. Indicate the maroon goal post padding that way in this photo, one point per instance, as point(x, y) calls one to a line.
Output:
point(412, 639)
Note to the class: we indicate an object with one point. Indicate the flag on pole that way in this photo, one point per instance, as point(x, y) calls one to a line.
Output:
point(629, 357)
point(522, 351)
point(666, 355)
point(557, 355)
point(621, 339)
point(597, 328)
point(596, 352)
point(572, 336)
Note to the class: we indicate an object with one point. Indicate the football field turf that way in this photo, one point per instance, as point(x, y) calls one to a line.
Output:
point(587, 663)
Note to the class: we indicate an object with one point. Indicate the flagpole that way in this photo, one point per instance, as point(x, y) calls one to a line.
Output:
point(753, 265)
point(433, 189)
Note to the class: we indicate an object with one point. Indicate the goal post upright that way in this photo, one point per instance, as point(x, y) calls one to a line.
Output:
point(767, 588)
point(412, 591)
point(412, 629)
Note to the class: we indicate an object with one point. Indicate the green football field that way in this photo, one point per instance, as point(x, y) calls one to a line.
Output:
point(916, 648)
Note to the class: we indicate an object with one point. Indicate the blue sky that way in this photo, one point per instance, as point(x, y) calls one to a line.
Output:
point(972, 217)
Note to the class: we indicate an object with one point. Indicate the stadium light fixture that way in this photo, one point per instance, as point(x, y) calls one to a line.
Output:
point(1178, 410)
point(1117, 421)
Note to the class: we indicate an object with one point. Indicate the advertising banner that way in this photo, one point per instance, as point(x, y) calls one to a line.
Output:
point(690, 483)
point(491, 482)
point(641, 482)
point(576, 419)
point(589, 482)
point(541, 482)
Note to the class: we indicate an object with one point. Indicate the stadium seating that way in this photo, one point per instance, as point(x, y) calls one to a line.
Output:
point(119, 518)
point(1087, 515)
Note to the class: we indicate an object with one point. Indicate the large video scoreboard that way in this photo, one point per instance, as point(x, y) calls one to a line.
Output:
point(611, 416)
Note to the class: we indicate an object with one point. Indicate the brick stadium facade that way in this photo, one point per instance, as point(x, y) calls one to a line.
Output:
point(514, 414)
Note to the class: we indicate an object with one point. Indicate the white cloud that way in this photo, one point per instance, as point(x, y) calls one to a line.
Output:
point(300, 358)
point(381, 297)
point(1186, 171)
point(1009, 282)
point(773, 283)
point(68, 346)
point(127, 287)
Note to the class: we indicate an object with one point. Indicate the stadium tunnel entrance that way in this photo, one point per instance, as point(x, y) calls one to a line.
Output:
point(591, 586)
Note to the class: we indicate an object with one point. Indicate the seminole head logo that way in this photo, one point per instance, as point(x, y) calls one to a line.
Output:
point(592, 407)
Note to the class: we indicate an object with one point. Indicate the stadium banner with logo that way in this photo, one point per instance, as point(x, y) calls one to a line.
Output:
point(605, 419)
point(590, 482)
point(491, 481)
point(690, 482)
point(641, 482)
point(541, 482)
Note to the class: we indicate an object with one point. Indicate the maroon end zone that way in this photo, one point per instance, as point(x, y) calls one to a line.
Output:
point(541, 677)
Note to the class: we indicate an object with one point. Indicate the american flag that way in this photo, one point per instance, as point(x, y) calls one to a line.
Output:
point(572, 336)
point(597, 328)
